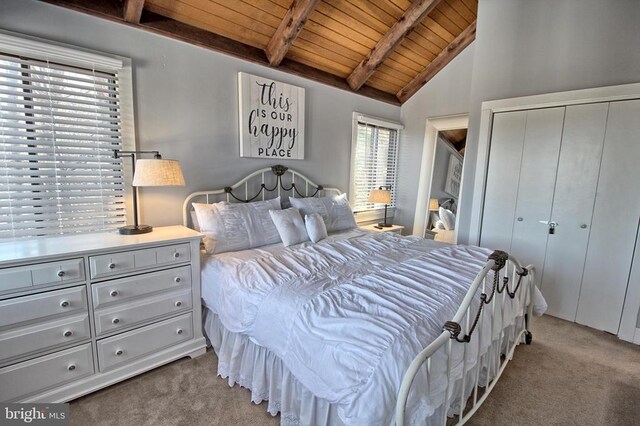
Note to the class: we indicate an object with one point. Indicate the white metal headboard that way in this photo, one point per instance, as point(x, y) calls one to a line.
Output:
point(279, 180)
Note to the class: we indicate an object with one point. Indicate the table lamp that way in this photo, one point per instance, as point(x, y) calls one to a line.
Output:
point(381, 196)
point(149, 172)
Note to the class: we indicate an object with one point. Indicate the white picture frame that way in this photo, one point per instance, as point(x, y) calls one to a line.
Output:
point(271, 118)
point(454, 176)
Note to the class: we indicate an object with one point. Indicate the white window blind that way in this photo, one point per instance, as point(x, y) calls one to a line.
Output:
point(59, 125)
point(375, 161)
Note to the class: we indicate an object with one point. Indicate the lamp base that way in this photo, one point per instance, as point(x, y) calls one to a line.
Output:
point(135, 229)
point(384, 225)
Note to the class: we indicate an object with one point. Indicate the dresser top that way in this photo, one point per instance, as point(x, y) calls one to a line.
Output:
point(29, 250)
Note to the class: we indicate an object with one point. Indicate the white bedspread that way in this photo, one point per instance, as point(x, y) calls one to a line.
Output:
point(346, 315)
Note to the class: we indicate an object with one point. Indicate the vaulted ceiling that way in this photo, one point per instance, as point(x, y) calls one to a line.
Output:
point(384, 49)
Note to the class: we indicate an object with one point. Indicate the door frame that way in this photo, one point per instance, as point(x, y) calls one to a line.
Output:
point(546, 100)
point(433, 126)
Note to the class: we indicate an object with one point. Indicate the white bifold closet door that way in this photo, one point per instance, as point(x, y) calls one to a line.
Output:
point(575, 192)
point(615, 221)
point(563, 193)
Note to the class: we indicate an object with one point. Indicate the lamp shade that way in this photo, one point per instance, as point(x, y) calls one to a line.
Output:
point(433, 204)
point(380, 196)
point(158, 172)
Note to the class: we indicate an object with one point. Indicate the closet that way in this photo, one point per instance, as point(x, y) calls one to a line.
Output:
point(563, 193)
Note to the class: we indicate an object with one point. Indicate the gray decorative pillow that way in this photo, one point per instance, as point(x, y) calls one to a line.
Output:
point(316, 228)
point(237, 226)
point(290, 226)
point(335, 211)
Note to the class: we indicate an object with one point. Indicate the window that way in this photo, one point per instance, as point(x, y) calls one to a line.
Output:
point(374, 157)
point(59, 125)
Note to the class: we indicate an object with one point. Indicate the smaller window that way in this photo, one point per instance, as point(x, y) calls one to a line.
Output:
point(374, 158)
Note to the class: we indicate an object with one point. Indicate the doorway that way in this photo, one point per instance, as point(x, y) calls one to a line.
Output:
point(441, 178)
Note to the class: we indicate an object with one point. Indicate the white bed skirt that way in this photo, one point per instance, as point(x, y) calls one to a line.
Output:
point(256, 368)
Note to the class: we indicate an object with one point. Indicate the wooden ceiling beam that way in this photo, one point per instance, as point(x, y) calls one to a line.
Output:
point(133, 10)
point(162, 25)
point(451, 51)
point(288, 30)
point(416, 12)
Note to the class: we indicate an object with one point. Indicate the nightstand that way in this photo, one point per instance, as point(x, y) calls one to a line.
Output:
point(393, 228)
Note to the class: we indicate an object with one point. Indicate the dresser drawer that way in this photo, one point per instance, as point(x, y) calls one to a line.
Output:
point(107, 265)
point(132, 313)
point(41, 274)
point(26, 378)
point(124, 289)
point(120, 349)
point(38, 306)
point(17, 342)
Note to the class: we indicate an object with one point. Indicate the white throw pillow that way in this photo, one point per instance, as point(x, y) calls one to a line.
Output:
point(237, 226)
point(316, 228)
point(290, 226)
point(448, 218)
point(335, 211)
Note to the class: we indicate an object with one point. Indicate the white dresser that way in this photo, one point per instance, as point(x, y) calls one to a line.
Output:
point(78, 313)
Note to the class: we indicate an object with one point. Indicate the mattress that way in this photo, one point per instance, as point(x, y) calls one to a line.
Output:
point(347, 315)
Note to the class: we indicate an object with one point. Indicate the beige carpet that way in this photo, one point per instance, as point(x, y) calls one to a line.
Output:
point(570, 375)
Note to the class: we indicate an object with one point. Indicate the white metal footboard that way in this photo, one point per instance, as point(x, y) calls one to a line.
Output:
point(509, 280)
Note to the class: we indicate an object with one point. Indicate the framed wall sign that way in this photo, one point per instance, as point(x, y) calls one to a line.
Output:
point(454, 176)
point(271, 118)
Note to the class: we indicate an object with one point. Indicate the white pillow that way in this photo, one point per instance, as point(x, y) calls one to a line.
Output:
point(290, 226)
point(194, 220)
point(316, 228)
point(237, 226)
point(448, 218)
point(335, 211)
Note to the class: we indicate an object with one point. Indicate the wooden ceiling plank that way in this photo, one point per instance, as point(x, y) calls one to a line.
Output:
point(409, 20)
point(458, 45)
point(464, 11)
point(339, 37)
point(346, 30)
point(472, 5)
point(133, 10)
point(433, 38)
point(315, 50)
point(205, 21)
point(326, 44)
point(411, 67)
point(445, 22)
point(397, 71)
point(269, 7)
point(370, 8)
point(437, 29)
point(382, 84)
point(240, 15)
point(319, 62)
point(417, 43)
point(359, 15)
point(384, 72)
point(288, 30)
point(453, 15)
point(345, 19)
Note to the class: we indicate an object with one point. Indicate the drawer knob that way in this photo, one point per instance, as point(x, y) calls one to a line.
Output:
point(179, 331)
point(64, 303)
point(177, 279)
point(178, 303)
point(119, 352)
point(111, 265)
point(71, 367)
point(176, 255)
point(61, 274)
point(113, 293)
point(115, 320)
point(67, 333)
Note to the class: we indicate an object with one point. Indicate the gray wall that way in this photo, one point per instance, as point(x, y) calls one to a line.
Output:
point(186, 105)
point(526, 47)
point(446, 94)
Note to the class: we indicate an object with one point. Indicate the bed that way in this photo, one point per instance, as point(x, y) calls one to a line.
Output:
point(361, 328)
